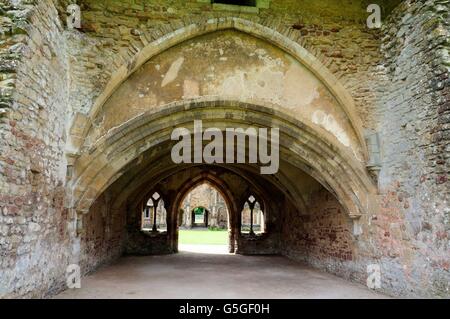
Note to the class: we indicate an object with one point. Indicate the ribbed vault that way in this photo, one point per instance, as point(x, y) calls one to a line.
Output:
point(150, 133)
point(258, 79)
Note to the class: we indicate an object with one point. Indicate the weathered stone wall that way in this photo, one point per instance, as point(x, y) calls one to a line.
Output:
point(115, 31)
point(322, 236)
point(144, 242)
point(102, 238)
point(413, 225)
point(237, 66)
point(408, 235)
point(35, 233)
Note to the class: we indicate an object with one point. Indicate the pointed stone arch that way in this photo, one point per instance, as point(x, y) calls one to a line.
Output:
point(83, 122)
point(224, 191)
point(330, 164)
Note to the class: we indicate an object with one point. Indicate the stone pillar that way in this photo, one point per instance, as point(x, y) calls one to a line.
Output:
point(234, 226)
point(213, 220)
point(215, 197)
point(155, 215)
point(262, 223)
point(172, 220)
point(180, 217)
point(187, 213)
point(207, 216)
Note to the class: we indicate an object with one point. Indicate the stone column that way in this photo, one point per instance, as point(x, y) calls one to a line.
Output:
point(213, 219)
point(262, 223)
point(187, 212)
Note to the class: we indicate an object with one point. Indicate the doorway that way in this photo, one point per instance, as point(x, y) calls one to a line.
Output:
point(203, 221)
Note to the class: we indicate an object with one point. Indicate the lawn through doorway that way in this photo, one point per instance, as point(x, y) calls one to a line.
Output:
point(203, 241)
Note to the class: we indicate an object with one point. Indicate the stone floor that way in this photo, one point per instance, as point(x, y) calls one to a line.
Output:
point(212, 275)
point(204, 249)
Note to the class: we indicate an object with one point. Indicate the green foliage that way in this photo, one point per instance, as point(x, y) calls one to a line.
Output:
point(199, 211)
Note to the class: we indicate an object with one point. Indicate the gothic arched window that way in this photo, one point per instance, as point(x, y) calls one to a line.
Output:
point(252, 217)
point(154, 216)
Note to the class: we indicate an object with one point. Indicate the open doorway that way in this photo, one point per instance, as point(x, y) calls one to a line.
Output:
point(200, 217)
point(203, 221)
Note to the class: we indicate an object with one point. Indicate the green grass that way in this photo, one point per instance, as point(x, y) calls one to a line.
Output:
point(203, 237)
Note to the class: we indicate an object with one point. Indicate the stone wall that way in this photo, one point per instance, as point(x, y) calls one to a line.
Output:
point(414, 126)
point(35, 232)
point(322, 236)
point(115, 31)
point(408, 235)
point(237, 66)
point(102, 238)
